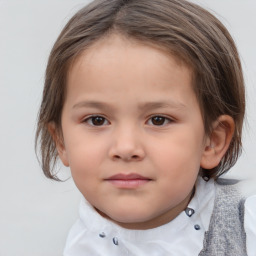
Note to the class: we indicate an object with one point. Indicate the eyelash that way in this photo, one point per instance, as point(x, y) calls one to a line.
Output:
point(163, 120)
point(89, 120)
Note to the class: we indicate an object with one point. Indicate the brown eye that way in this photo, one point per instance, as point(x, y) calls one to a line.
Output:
point(159, 120)
point(96, 121)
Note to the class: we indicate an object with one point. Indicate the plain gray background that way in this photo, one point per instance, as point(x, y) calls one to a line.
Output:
point(36, 213)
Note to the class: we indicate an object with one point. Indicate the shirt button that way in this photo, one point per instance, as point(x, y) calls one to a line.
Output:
point(102, 235)
point(197, 227)
point(115, 241)
point(189, 211)
point(206, 178)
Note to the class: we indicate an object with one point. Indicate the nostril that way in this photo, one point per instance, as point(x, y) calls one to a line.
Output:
point(126, 158)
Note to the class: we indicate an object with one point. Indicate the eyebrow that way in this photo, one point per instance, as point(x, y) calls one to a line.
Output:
point(143, 106)
point(162, 104)
point(92, 104)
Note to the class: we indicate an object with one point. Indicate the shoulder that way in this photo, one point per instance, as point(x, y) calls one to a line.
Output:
point(229, 197)
point(247, 204)
point(250, 223)
point(227, 221)
point(250, 205)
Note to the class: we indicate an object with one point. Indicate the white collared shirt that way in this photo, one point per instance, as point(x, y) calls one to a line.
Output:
point(94, 235)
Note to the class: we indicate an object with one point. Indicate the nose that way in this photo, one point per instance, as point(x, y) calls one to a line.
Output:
point(127, 145)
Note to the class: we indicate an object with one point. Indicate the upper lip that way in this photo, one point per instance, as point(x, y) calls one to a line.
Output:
point(130, 176)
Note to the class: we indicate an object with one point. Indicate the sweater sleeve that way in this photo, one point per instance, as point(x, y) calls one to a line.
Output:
point(250, 225)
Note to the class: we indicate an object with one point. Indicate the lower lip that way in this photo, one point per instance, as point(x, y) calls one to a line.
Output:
point(129, 184)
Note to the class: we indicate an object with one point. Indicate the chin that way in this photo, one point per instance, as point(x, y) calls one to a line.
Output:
point(124, 218)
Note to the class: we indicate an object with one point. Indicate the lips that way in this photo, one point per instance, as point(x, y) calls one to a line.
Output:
point(128, 181)
point(131, 176)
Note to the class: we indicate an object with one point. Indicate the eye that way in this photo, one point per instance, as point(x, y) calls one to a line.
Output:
point(159, 120)
point(96, 121)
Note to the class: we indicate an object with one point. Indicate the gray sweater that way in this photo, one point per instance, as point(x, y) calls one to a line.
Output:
point(226, 235)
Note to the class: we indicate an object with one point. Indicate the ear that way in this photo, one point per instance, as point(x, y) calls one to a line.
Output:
point(59, 143)
point(217, 143)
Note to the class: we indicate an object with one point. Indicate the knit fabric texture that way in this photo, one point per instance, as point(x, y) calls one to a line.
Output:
point(226, 235)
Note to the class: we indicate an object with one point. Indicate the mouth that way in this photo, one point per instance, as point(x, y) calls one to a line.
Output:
point(128, 181)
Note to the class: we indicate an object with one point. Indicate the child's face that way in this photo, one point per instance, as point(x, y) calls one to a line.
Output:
point(133, 132)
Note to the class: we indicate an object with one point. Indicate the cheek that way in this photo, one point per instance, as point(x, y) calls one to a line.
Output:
point(179, 155)
point(85, 166)
point(86, 155)
point(178, 167)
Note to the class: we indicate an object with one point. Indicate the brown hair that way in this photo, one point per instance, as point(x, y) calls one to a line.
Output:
point(180, 27)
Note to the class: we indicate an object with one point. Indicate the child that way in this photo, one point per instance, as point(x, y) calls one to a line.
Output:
point(144, 101)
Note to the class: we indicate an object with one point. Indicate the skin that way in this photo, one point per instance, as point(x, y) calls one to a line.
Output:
point(130, 110)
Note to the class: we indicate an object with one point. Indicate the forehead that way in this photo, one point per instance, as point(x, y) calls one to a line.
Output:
point(116, 64)
point(110, 45)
